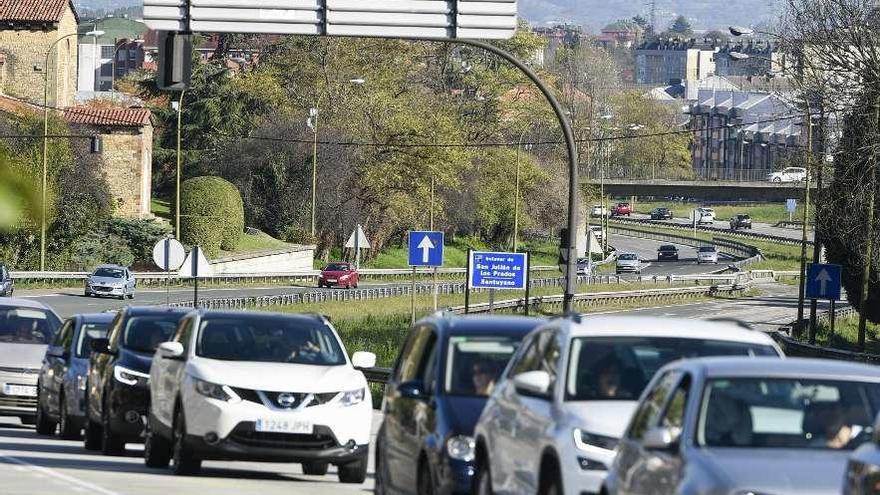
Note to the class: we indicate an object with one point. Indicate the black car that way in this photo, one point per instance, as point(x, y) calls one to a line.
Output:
point(7, 286)
point(661, 214)
point(119, 373)
point(62, 384)
point(741, 221)
point(437, 391)
point(668, 252)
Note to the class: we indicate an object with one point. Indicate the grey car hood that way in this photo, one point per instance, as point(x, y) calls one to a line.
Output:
point(22, 355)
point(106, 281)
point(776, 471)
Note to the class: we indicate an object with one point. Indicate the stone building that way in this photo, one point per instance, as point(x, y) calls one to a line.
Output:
point(126, 136)
point(29, 29)
point(674, 61)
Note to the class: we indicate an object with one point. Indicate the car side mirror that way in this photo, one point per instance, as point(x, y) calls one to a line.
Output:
point(658, 438)
point(414, 389)
point(101, 346)
point(532, 383)
point(363, 360)
point(171, 350)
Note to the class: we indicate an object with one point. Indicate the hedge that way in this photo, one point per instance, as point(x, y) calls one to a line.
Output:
point(211, 214)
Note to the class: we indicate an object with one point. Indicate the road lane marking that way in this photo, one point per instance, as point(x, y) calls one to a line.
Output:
point(60, 477)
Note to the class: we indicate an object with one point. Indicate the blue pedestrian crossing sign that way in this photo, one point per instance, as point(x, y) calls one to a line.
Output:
point(425, 248)
point(823, 281)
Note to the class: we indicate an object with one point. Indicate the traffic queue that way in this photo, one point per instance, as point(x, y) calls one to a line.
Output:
point(496, 404)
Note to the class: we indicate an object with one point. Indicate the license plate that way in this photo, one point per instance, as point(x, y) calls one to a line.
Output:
point(285, 426)
point(20, 390)
point(331, 280)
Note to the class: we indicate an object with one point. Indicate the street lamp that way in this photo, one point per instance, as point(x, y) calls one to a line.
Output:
point(516, 190)
point(113, 62)
point(94, 34)
point(312, 123)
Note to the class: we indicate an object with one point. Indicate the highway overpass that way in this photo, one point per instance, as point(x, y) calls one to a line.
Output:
point(707, 189)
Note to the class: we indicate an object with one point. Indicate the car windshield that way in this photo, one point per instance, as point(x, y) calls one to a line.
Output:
point(269, 340)
point(628, 257)
point(88, 333)
point(619, 368)
point(109, 273)
point(27, 325)
point(473, 364)
point(668, 248)
point(145, 333)
point(743, 217)
point(706, 249)
point(336, 267)
point(787, 413)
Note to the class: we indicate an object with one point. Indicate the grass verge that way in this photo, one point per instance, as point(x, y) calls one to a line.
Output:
point(846, 335)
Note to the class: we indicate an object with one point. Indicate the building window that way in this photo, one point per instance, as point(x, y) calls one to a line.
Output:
point(107, 51)
point(106, 70)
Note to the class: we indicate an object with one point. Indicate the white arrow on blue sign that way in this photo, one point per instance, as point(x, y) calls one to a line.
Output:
point(425, 248)
point(823, 281)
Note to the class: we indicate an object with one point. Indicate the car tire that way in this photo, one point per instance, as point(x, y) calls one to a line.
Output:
point(425, 482)
point(777, 180)
point(66, 429)
point(552, 485)
point(315, 468)
point(44, 425)
point(483, 479)
point(183, 460)
point(354, 472)
point(157, 449)
point(92, 437)
point(111, 443)
point(381, 476)
point(131, 296)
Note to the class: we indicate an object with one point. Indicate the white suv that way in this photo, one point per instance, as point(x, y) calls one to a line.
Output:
point(553, 423)
point(790, 174)
point(259, 387)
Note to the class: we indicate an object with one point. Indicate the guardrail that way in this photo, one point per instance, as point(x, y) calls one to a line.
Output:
point(702, 228)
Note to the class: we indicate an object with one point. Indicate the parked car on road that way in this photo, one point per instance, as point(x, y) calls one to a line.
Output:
point(667, 252)
point(259, 387)
point(111, 280)
point(705, 216)
point(629, 263)
point(26, 329)
point(554, 421)
point(622, 209)
point(442, 379)
point(790, 174)
point(661, 214)
point(598, 211)
point(7, 285)
point(740, 426)
point(741, 221)
point(339, 274)
point(118, 384)
point(62, 384)
point(707, 254)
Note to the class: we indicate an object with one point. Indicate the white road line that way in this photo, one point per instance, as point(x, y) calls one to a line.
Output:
point(44, 471)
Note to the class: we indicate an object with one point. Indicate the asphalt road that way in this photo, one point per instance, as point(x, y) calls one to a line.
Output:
point(647, 249)
point(723, 223)
point(36, 465)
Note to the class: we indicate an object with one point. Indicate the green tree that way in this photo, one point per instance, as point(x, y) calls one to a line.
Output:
point(681, 27)
point(211, 214)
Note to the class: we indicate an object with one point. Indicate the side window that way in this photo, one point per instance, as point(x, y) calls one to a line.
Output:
point(58, 341)
point(184, 333)
point(428, 373)
point(673, 417)
point(67, 335)
point(650, 409)
point(116, 329)
point(529, 359)
point(550, 356)
point(412, 363)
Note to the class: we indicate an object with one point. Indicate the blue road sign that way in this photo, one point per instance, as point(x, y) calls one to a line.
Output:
point(823, 281)
point(425, 248)
point(791, 205)
point(498, 270)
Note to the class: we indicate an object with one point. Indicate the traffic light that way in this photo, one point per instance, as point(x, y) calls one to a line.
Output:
point(175, 61)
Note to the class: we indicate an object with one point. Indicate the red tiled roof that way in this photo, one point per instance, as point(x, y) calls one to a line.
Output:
point(122, 117)
point(39, 11)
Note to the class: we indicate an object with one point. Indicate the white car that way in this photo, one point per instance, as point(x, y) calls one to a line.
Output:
point(629, 263)
point(599, 232)
point(111, 280)
point(553, 422)
point(707, 254)
point(598, 211)
point(790, 174)
point(259, 387)
point(705, 216)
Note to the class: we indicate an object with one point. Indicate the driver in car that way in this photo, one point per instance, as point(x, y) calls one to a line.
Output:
point(300, 346)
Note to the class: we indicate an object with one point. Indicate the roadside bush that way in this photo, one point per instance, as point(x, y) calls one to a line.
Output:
point(98, 248)
point(140, 235)
point(298, 235)
point(212, 214)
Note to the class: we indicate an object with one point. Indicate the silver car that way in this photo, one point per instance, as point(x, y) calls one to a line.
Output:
point(629, 263)
point(26, 329)
point(7, 285)
point(111, 280)
point(707, 254)
point(734, 426)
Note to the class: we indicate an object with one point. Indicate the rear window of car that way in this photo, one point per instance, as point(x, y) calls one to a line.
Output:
point(27, 325)
point(109, 273)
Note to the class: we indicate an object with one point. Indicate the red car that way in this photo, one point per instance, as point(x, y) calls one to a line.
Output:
point(622, 209)
point(339, 274)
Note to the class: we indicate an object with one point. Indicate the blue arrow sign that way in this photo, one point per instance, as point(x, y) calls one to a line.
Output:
point(823, 281)
point(498, 270)
point(425, 248)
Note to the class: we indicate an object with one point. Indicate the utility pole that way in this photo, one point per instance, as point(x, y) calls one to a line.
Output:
point(803, 278)
point(817, 243)
point(177, 181)
point(869, 251)
point(314, 115)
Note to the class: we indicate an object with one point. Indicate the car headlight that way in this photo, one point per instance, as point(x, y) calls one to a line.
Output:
point(81, 382)
point(130, 377)
point(461, 448)
point(585, 440)
point(352, 398)
point(215, 391)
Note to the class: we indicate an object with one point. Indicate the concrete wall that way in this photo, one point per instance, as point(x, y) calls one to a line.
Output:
point(295, 259)
point(25, 50)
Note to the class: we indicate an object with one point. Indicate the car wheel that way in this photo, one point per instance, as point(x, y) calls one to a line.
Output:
point(777, 180)
point(184, 461)
point(425, 483)
point(315, 468)
point(483, 479)
point(111, 443)
point(131, 296)
point(157, 449)
point(551, 486)
point(44, 425)
point(68, 430)
point(382, 475)
point(92, 437)
point(354, 472)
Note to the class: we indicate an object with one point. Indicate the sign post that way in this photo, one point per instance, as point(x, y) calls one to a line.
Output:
point(168, 254)
point(358, 241)
point(790, 207)
point(195, 266)
point(823, 282)
point(425, 249)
